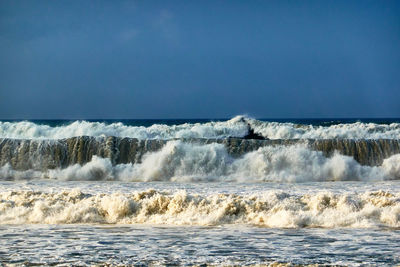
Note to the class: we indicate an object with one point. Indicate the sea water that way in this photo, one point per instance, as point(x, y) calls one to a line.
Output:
point(193, 198)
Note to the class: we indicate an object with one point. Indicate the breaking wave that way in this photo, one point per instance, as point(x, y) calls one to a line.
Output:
point(236, 127)
point(178, 161)
point(357, 130)
point(268, 209)
point(30, 130)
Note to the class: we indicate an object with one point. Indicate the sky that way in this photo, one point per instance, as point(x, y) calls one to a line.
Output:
point(199, 59)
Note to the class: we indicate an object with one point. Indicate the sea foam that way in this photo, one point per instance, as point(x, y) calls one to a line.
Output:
point(269, 209)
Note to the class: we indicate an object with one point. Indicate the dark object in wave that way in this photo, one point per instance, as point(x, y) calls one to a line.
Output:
point(252, 135)
point(250, 132)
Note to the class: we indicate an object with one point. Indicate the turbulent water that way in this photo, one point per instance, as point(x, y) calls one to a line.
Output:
point(223, 192)
point(236, 127)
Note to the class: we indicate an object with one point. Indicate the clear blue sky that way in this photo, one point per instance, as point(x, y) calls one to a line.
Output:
point(199, 59)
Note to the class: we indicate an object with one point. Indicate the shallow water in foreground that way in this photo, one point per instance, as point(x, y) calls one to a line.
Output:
point(74, 245)
point(225, 243)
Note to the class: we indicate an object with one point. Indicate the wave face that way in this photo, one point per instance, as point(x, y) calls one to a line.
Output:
point(270, 209)
point(50, 154)
point(87, 159)
point(236, 127)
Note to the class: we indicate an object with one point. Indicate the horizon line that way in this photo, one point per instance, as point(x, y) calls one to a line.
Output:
point(226, 118)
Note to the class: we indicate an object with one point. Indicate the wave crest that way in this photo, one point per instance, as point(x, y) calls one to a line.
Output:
point(235, 127)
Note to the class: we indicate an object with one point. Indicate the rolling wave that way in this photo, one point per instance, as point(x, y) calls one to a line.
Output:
point(269, 209)
point(241, 149)
point(235, 127)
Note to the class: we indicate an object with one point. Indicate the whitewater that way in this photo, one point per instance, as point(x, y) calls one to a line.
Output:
point(190, 192)
point(235, 127)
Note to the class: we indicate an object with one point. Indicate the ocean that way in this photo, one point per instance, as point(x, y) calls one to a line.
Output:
point(222, 192)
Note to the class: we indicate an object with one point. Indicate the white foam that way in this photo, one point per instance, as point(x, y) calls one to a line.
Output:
point(236, 127)
point(269, 209)
point(30, 130)
point(184, 162)
point(357, 130)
